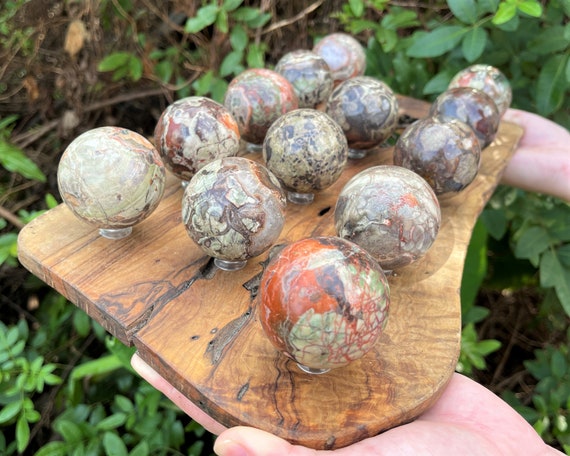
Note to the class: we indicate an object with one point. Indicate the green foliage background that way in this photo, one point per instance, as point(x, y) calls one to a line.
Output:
point(66, 387)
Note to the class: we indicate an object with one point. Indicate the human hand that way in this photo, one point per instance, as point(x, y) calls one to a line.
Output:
point(468, 419)
point(541, 162)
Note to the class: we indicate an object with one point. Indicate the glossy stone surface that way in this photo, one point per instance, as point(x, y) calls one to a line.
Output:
point(366, 109)
point(488, 79)
point(233, 208)
point(389, 211)
point(446, 153)
point(323, 302)
point(256, 98)
point(471, 106)
point(306, 150)
point(194, 131)
point(343, 54)
point(111, 177)
point(310, 76)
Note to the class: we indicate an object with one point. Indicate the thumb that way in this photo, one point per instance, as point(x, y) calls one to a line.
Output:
point(246, 441)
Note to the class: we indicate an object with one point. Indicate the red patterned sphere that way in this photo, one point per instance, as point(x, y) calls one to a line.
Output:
point(256, 98)
point(488, 79)
point(343, 54)
point(194, 131)
point(323, 302)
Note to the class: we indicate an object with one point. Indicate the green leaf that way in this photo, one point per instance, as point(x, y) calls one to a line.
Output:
point(400, 18)
point(69, 431)
point(22, 434)
point(13, 159)
point(205, 17)
point(552, 274)
point(239, 38)
point(495, 221)
point(256, 56)
point(530, 7)
point(532, 243)
point(114, 61)
point(230, 5)
point(53, 449)
point(549, 41)
point(142, 449)
point(222, 21)
point(112, 422)
point(357, 7)
point(558, 364)
point(475, 267)
point(473, 43)
point(387, 38)
point(464, 10)
point(113, 445)
point(437, 42)
point(438, 83)
point(9, 411)
point(551, 85)
point(231, 64)
point(505, 13)
point(253, 17)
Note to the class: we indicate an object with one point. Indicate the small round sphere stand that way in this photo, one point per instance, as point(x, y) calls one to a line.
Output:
point(115, 233)
point(254, 148)
point(227, 265)
point(356, 154)
point(300, 198)
point(312, 370)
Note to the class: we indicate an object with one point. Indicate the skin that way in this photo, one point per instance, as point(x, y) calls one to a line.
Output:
point(468, 419)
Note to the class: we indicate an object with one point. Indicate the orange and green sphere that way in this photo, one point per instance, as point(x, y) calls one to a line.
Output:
point(323, 302)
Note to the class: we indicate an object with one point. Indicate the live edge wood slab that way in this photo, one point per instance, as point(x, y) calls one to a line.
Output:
point(198, 326)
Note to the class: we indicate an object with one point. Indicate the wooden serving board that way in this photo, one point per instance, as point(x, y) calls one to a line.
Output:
point(198, 326)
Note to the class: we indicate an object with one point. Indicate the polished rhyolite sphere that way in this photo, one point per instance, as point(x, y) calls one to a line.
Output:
point(309, 74)
point(256, 98)
point(471, 106)
point(366, 109)
point(306, 150)
point(192, 132)
point(323, 302)
point(446, 153)
point(234, 209)
point(111, 177)
point(488, 79)
point(389, 211)
point(343, 54)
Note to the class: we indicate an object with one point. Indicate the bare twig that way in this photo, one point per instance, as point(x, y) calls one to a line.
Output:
point(285, 22)
point(12, 218)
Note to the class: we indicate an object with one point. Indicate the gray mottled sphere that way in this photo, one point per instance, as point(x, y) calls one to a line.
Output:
point(471, 106)
point(233, 208)
point(111, 177)
point(310, 76)
point(306, 150)
point(488, 79)
point(446, 153)
point(366, 109)
point(389, 211)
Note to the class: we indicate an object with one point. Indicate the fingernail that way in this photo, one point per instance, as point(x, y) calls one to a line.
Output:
point(229, 448)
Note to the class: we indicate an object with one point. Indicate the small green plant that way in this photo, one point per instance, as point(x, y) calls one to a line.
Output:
point(22, 375)
point(550, 408)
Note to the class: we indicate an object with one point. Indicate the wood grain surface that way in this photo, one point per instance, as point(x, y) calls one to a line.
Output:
point(198, 326)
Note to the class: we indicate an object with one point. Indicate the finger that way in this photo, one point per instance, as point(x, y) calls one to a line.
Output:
point(470, 405)
point(246, 441)
point(537, 129)
point(192, 410)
